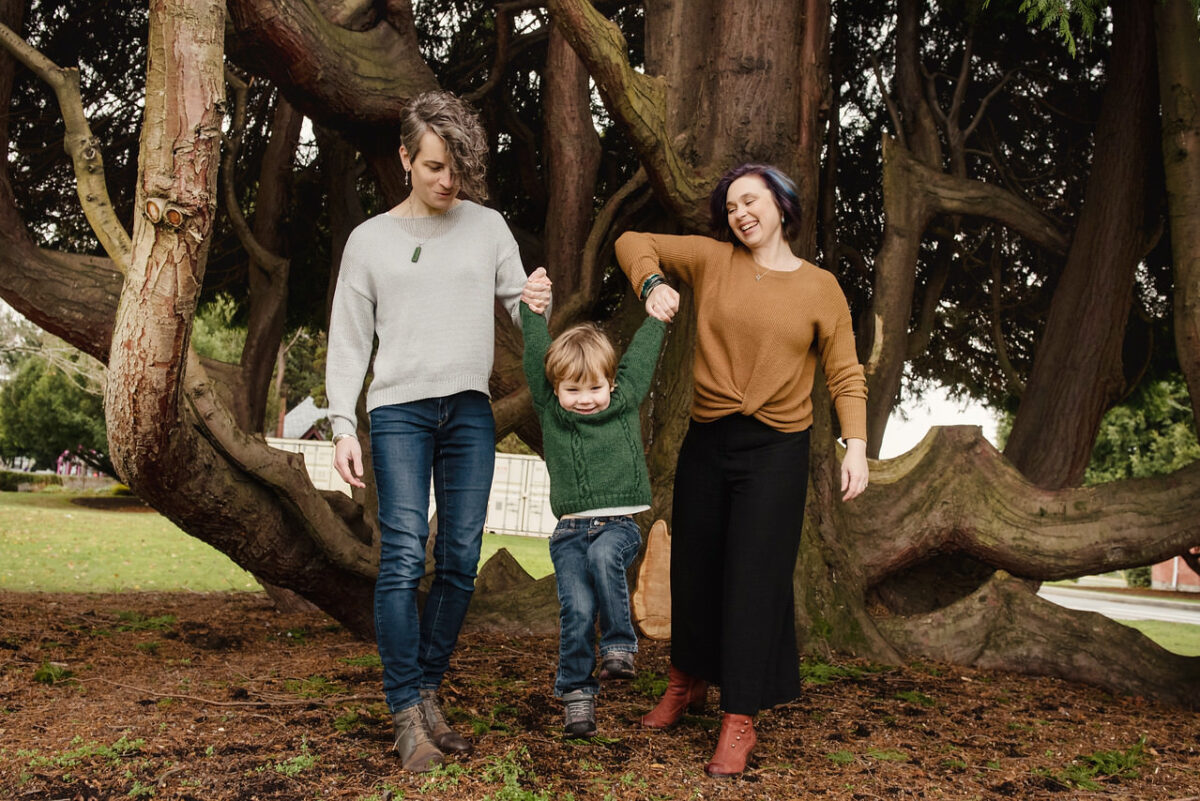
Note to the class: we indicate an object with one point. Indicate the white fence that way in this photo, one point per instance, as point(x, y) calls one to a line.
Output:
point(519, 502)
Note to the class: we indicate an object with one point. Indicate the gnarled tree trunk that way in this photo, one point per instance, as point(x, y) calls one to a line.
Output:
point(1077, 374)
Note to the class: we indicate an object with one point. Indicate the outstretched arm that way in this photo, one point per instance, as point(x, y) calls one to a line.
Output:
point(636, 370)
point(537, 340)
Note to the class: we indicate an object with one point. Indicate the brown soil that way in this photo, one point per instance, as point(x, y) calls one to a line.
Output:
point(227, 699)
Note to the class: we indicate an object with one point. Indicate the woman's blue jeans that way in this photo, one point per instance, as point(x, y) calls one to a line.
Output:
point(591, 556)
point(453, 440)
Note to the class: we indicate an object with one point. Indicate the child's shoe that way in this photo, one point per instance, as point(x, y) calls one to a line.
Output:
point(617, 665)
point(580, 714)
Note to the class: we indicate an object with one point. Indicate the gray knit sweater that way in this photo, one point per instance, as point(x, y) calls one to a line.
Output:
point(434, 317)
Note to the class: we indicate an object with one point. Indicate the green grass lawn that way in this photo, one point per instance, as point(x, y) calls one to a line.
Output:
point(49, 544)
point(1182, 638)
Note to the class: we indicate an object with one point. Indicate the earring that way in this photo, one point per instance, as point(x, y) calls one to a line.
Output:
point(408, 178)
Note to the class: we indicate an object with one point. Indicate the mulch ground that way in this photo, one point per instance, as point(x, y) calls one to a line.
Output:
point(219, 697)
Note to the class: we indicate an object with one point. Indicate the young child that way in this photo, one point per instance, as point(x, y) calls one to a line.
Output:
point(591, 432)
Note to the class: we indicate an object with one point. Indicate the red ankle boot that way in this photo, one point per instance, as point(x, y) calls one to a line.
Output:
point(682, 691)
point(735, 744)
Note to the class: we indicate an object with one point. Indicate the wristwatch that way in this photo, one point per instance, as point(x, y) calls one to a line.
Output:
point(337, 437)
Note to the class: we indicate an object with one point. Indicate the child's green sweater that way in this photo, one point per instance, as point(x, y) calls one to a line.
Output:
point(595, 461)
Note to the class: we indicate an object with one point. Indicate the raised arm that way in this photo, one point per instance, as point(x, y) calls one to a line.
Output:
point(537, 341)
point(645, 258)
point(636, 370)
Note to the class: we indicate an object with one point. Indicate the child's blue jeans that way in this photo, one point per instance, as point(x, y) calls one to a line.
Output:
point(591, 557)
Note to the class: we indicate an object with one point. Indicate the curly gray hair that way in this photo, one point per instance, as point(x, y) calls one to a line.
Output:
point(458, 125)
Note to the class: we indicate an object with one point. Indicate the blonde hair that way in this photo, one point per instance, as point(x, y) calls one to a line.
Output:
point(458, 126)
point(581, 353)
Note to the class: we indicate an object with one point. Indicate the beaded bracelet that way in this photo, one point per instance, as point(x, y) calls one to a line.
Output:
point(649, 284)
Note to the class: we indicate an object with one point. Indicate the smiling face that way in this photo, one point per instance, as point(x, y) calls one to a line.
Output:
point(752, 212)
point(591, 395)
point(434, 185)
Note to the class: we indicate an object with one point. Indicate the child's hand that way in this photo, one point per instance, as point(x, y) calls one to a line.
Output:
point(537, 291)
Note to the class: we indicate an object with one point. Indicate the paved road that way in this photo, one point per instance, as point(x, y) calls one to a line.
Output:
point(1123, 607)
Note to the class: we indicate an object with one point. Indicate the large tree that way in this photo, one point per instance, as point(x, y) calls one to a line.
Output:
point(990, 200)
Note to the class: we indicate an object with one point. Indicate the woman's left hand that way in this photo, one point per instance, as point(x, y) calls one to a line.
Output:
point(854, 469)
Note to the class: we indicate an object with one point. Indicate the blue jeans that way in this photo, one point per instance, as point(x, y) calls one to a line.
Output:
point(591, 556)
point(452, 439)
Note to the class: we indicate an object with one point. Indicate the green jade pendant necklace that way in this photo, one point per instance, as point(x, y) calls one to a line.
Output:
point(434, 224)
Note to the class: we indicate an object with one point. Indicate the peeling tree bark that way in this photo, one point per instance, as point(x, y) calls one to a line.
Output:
point(163, 417)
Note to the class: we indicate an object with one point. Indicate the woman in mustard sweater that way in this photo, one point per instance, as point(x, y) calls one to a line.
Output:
point(764, 318)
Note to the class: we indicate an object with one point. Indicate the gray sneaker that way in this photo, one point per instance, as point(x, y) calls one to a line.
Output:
point(580, 714)
point(417, 752)
point(444, 737)
point(616, 665)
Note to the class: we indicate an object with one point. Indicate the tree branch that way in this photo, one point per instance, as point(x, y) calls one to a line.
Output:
point(341, 77)
point(991, 512)
point(273, 264)
point(949, 194)
point(81, 145)
point(890, 104)
point(569, 310)
point(639, 102)
point(1016, 385)
point(281, 471)
point(1005, 626)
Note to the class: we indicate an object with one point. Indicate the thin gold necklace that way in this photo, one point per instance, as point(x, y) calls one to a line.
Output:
point(766, 270)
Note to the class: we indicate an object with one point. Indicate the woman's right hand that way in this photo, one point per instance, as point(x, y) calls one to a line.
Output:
point(536, 293)
point(662, 303)
point(348, 461)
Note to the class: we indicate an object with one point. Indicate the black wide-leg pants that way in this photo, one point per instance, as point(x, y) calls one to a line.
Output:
point(740, 488)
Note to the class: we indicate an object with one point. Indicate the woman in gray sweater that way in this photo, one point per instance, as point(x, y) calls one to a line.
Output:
point(423, 277)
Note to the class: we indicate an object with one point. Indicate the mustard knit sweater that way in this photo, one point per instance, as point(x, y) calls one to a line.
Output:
point(758, 341)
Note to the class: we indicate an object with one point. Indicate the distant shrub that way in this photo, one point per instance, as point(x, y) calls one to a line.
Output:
point(13, 480)
point(1138, 576)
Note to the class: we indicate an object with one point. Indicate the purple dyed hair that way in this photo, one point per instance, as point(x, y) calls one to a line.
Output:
point(783, 189)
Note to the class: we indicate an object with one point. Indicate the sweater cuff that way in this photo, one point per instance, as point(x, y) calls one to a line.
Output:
point(852, 415)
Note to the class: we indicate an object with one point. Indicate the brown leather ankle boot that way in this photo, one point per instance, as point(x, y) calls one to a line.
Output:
point(736, 742)
point(682, 691)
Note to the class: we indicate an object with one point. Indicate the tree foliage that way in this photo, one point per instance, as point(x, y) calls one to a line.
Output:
point(1151, 434)
point(46, 412)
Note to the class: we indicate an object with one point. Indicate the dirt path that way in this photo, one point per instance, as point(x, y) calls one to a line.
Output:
point(217, 697)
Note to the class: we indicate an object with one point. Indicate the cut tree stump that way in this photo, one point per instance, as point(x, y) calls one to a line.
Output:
point(652, 596)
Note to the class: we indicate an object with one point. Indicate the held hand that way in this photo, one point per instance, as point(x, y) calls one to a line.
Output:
point(348, 461)
point(537, 291)
point(854, 469)
point(662, 303)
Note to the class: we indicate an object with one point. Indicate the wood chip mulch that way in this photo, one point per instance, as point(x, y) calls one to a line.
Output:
point(218, 697)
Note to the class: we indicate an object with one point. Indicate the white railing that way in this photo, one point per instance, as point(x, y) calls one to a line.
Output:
point(519, 502)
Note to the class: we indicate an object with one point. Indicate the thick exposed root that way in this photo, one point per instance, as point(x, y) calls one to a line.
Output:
point(1005, 626)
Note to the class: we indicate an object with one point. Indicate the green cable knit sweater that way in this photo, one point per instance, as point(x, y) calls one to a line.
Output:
point(596, 461)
